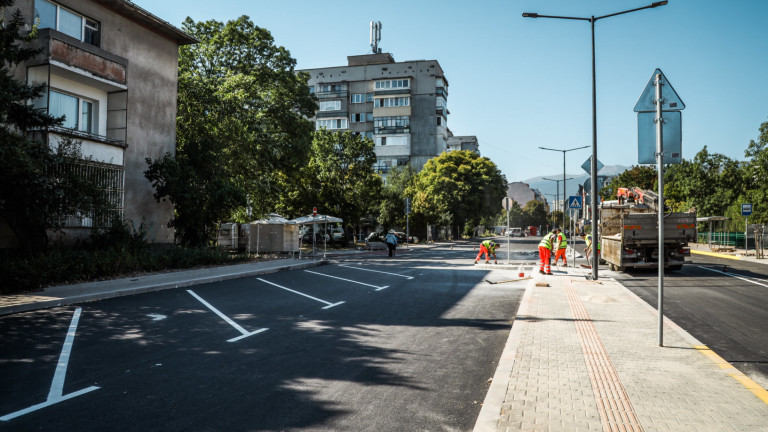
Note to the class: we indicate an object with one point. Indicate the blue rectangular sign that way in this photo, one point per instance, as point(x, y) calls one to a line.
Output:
point(746, 209)
point(574, 202)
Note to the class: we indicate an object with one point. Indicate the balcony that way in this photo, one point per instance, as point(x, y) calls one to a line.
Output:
point(334, 94)
point(73, 59)
point(391, 130)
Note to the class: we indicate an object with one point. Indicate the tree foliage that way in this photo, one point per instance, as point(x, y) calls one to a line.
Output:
point(338, 178)
point(640, 176)
point(458, 187)
point(394, 193)
point(241, 128)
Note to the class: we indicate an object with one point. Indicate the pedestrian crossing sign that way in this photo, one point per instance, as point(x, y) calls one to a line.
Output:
point(574, 202)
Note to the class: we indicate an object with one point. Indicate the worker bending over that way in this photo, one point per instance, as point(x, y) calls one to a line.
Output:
point(545, 253)
point(588, 250)
point(487, 247)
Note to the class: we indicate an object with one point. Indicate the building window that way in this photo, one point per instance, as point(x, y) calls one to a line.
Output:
point(78, 113)
point(391, 102)
point(390, 125)
point(439, 121)
point(393, 84)
point(51, 15)
point(359, 97)
point(392, 140)
point(331, 124)
point(330, 105)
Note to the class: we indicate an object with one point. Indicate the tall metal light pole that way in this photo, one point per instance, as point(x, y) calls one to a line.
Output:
point(564, 179)
point(593, 169)
point(557, 196)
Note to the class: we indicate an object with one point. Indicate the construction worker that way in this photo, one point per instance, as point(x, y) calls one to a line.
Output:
point(560, 245)
point(545, 253)
point(487, 247)
point(588, 250)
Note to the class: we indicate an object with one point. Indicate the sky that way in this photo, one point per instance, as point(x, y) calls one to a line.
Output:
point(520, 83)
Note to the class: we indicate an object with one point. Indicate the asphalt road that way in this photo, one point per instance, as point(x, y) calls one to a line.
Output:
point(721, 302)
point(375, 344)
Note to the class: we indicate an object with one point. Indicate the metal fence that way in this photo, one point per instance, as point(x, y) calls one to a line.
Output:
point(110, 179)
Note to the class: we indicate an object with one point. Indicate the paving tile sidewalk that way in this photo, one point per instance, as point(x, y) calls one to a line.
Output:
point(584, 356)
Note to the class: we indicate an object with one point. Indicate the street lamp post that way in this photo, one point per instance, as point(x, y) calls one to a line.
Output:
point(593, 169)
point(557, 196)
point(564, 179)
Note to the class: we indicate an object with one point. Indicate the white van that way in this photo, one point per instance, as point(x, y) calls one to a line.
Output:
point(515, 232)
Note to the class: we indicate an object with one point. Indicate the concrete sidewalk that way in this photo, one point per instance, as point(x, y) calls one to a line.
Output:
point(583, 356)
point(99, 290)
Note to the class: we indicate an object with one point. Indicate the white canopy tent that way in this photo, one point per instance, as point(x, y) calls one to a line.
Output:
point(314, 220)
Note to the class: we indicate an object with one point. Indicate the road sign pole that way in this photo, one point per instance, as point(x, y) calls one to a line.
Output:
point(508, 236)
point(660, 170)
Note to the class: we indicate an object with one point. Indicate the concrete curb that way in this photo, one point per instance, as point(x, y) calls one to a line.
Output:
point(715, 254)
point(144, 288)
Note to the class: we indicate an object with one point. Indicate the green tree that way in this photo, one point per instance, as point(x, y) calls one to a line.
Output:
point(640, 176)
point(755, 176)
point(339, 177)
point(39, 186)
point(710, 183)
point(244, 108)
point(458, 187)
point(535, 214)
point(394, 193)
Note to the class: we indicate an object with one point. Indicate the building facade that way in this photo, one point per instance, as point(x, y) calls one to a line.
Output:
point(401, 106)
point(111, 69)
point(522, 193)
point(468, 142)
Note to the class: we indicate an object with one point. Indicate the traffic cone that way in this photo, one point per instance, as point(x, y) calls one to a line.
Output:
point(521, 271)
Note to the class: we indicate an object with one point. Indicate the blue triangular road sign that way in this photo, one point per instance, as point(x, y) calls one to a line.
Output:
point(672, 101)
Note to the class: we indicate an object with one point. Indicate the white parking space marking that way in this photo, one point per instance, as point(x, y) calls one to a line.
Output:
point(245, 333)
point(378, 288)
point(56, 394)
point(737, 276)
point(376, 271)
point(329, 304)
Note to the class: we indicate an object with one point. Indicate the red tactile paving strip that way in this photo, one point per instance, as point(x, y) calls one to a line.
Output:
point(615, 408)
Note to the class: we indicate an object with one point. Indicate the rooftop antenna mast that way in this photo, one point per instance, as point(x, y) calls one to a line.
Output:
point(375, 36)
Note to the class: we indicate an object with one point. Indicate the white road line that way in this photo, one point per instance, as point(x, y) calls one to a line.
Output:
point(56, 394)
point(330, 305)
point(378, 288)
point(737, 276)
point(376, 271)
point(238, 327)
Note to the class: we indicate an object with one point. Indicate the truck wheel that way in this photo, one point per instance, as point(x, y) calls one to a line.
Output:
point(612, 267)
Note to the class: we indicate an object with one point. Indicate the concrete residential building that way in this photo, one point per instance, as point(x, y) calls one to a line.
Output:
point(522, 193)
point(468, 142)
point(111, 69)
point(401, 106)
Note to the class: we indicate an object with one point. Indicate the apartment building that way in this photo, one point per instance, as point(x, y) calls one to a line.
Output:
point(401, 106)
point(111, 69)
point(467, 142)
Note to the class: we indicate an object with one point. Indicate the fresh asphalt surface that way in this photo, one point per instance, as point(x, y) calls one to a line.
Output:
point(414, 356)
point(721, 302)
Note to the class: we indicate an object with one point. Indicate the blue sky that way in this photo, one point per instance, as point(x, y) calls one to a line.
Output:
point(520, 83)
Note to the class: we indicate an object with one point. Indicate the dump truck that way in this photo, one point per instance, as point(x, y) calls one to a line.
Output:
point(629, 232)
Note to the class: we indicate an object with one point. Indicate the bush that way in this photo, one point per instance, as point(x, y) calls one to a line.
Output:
point(118, 251)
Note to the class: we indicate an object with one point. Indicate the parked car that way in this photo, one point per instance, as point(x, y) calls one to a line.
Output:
point(515, 232)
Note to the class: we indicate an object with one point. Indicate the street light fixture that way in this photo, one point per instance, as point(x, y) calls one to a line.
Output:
point(564, 151)
point(593, 170)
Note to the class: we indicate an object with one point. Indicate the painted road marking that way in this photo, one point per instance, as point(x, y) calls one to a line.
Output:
point(376, 271)
point(736, 275)
point(238, 327)
point(378, 288)
point(752, 386)
point(56, 394)
point(329, 304)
